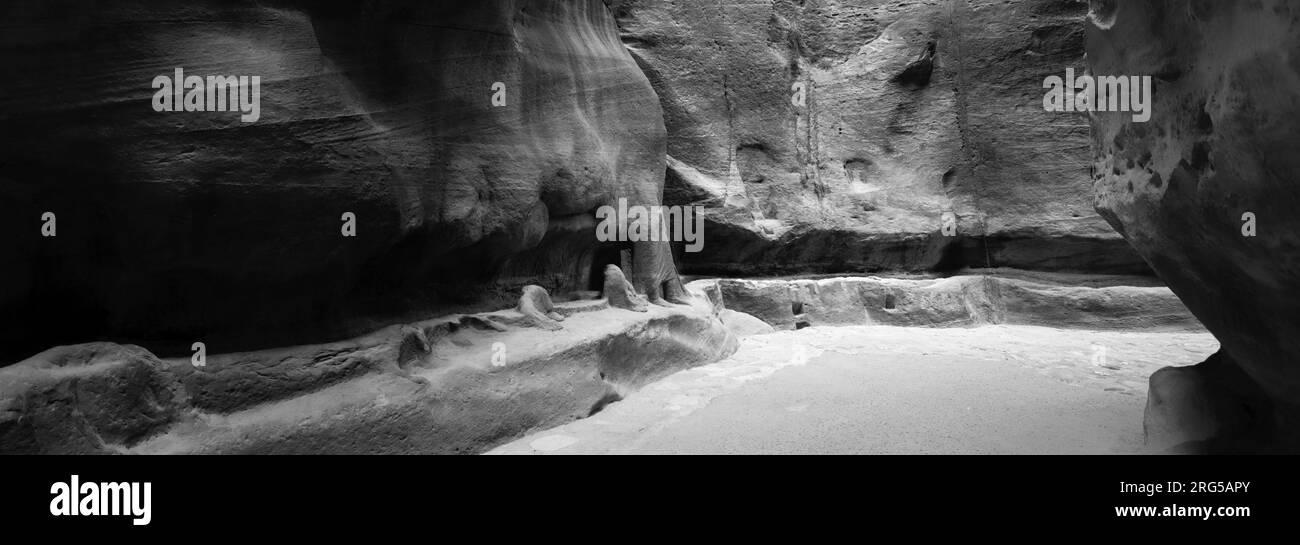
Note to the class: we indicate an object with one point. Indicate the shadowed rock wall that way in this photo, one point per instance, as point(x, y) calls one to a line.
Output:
point(176, 227)
point(1207, 192)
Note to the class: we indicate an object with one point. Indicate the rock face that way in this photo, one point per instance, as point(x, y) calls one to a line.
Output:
point(829, 136)
point(1206, 191)
point(179, 226)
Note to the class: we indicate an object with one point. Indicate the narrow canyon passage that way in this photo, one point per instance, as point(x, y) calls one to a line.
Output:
point(894, 390)
point(944, 231)
point(650, 226)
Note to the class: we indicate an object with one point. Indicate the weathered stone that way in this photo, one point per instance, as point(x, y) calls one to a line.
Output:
point(474, 387)
point(535, 304)
point(771, 302)
point(1221, 147)
point(87, 398)
point(1044, 299)
point(415, 347)
point(911, 110)
point(1205, 408)
point(175, 226)
point(619, 291)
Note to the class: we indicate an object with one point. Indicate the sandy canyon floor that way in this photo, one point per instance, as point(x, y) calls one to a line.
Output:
point(894, 390)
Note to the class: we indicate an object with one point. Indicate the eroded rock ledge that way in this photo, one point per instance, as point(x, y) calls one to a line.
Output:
point(458, 384)
point(466, 383)
point(178, 226)
point(999, 297)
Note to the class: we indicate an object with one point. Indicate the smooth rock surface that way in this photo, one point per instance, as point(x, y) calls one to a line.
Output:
point(472, 389)
point(175, 227)
point(620, 293)
point(744, 325)
point(1212, 407)
point(860, 177)
point(1222, 147)
point(995, 297)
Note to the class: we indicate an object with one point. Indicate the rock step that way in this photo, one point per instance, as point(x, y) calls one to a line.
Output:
point(1063, 301)
point(459, 384)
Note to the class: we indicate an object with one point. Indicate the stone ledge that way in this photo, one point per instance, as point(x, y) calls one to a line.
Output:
point(473, 388)
point(1017, 298)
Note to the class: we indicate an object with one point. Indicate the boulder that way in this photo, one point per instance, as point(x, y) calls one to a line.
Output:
point(619, 291)
point(88, 398)
point(1212, 407)
point(536, 306)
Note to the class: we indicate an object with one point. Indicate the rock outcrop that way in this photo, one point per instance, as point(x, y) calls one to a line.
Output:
point(1206, 191)
point(1041, 299)
point(744, 325)
point(84, 397)
point(1210, 407)
point(465, 143)
point(536, 306)
point(835, 136)
point(450, 385)
point(619, 292)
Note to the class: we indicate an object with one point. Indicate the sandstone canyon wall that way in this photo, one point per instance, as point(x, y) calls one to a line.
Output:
point(822, 136)
point(892, 135)
point(174, 227)
point(1206, 192)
